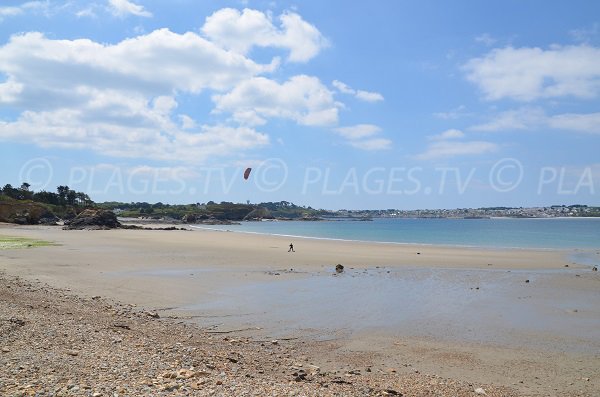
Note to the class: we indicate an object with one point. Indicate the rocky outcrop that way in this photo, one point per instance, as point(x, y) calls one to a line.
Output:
point(190, 218)
point(25, 213)
point(258, 214)
point(93, 219)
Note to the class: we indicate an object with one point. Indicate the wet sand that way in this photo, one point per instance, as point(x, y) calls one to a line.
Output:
point(465, 313)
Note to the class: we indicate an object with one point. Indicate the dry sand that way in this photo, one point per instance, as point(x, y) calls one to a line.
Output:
point(133, 266)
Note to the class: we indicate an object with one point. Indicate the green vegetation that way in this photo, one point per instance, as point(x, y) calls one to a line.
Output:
point(211, 210)
point(7, 242)
point(64, 196)
point(24, 206)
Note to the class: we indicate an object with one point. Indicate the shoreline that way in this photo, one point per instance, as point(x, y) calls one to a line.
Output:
point(239, 228)
point(166, 271)
point(410, 244)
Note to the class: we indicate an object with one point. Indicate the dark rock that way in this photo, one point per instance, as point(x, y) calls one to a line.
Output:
point(299, 375)
point(390, 392)
point(49, 220)
point(339, 268)
point(152, 314)
point(94, 220)
point(190, 218)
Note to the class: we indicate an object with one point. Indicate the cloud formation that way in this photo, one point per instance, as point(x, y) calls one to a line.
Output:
point(121, 99)
point(241, 31)
point(361, 136)
point(535, 118)
point(366, 96)
point(530, 73)
point(123, 8)
point(449, 144)
point(11, 11)
point(303, 99)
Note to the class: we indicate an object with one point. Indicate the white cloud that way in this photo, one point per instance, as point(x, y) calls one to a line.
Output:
point(536, 118)
point(448, 134)
point(12, 11)
point(241, 31)
point(86, 12)
point(585, 35)
point(369, 96)
point(119, 100)
point(170, 173)
point(517, 119)
point(366, 96)
point(440, 149)
point(302, 99)
point(57, 72)
point(358, 131)
point(456, 113)
point(361, 137)
point(527, 74)
point(343, 88)
point(485, 39)
point(448, 144)
point(372, 144)
point(137, 131)
point(587, 123)
point(123, 8)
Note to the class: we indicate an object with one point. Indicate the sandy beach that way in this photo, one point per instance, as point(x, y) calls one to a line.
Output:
point(398, 310)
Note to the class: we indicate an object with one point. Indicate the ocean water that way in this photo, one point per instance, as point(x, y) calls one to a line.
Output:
point(556, 233)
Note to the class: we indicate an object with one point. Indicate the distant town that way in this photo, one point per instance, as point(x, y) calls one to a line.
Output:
point(554, 211)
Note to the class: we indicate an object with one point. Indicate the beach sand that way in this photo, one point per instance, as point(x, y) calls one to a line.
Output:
point(199, 275)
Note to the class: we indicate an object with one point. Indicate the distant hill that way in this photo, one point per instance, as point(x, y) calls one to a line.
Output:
point(223, 211)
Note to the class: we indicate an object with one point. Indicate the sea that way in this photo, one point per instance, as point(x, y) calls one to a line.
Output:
point(548, 233)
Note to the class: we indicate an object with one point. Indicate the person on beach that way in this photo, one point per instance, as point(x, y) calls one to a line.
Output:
point(291, 248)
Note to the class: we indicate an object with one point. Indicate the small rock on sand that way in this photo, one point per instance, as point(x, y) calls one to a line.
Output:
point(339, 268)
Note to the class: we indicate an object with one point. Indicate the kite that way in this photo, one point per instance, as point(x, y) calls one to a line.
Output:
point(247, 173)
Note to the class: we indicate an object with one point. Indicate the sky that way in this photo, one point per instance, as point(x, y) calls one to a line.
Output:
point(333, 104)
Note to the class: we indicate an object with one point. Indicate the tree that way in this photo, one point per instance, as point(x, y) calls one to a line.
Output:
point(62, 193)
point(24, 193)
point(83, 199)
point(71, 197)
point(46, 197)
point(10, 191)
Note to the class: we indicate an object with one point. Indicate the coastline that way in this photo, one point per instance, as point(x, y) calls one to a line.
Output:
point(167, 272)
point(460, 233)
point(409, 244)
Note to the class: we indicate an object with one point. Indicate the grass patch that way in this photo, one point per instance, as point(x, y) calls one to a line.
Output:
point(7, 243)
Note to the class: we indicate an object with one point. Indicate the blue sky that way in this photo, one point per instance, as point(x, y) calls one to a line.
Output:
point(392, 104)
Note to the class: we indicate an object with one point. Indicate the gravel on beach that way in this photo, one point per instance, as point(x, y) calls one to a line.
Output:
point(54, 343)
